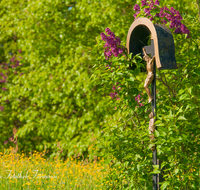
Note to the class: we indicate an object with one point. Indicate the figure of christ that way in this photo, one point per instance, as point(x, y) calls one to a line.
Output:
point(152, 129)
point(150, 75)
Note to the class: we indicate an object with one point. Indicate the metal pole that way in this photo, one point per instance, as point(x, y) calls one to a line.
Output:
point(153, 107)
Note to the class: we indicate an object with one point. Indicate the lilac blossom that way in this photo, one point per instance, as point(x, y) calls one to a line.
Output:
point(2, 81)
point(135, 15)
point(11, 138)
point(144, 2)
point(156, 2)
point(5, 142)
point(138, 100)
point(184, 29)
point(147, 11)
point(12, 59)
point(5, 77)
point(113, 44)
point(115, 94)
point(103, 36)
point(136, 7)
point(1, 108)
point(178, 31)
point(172, 15)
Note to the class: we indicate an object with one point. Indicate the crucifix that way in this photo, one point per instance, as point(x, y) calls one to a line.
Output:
point(152, 80)
point(161, 55)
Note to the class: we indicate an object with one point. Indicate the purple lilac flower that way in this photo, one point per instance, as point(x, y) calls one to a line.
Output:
point(141, 104)
point(12, 59)
point(109, 32)
point(163, 21)
point(168, 16)
point(178, 16)
point(184, 29)
point(144, 2)
point(156, 2)
point(1, 108)
point(135, 15)
point(174, 17)
point(178, 30)
point(5, 77)
point(113, 95)
point(113, 44)
point(103, 36)
point(5, 142)
point(118, 40)
point(166, 9)
point(120, 51)
point(108, 53)
point(17, 63)
point(173, 11)
point(4, 89)
point(136, 7)
point(147, 11)
point(151, 5)
point(151, 18)
point(5, 68)
point(162, 13)
point(11, 138)
point(138, 100)
point(2, 81)
point(175, 24)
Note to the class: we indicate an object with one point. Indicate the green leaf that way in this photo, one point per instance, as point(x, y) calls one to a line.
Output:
point(181, 118)
point(164, 185)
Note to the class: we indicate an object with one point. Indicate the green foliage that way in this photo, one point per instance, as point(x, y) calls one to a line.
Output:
point(54, 98)
point(125, 138)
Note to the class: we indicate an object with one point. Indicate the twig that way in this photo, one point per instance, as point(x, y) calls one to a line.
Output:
point(128, 120)
point(165, 83)
point(137, 117)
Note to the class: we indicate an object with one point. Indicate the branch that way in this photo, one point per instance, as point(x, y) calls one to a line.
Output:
point(165, 83)
point(137, 117)
point(131, 120)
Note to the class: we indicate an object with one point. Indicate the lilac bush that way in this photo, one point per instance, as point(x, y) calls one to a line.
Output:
point(156, 13)
point(166, 15)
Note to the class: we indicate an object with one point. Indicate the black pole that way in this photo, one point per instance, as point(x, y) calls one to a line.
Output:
point(153, 108)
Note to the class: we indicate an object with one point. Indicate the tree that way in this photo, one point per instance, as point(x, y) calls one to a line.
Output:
point(50, 96)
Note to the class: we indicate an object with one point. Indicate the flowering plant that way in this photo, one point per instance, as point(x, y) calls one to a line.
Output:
point(118, 77)
point(161, 15)
point(125, 136)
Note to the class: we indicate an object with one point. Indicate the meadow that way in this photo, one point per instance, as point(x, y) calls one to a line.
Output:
point(20, 171)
